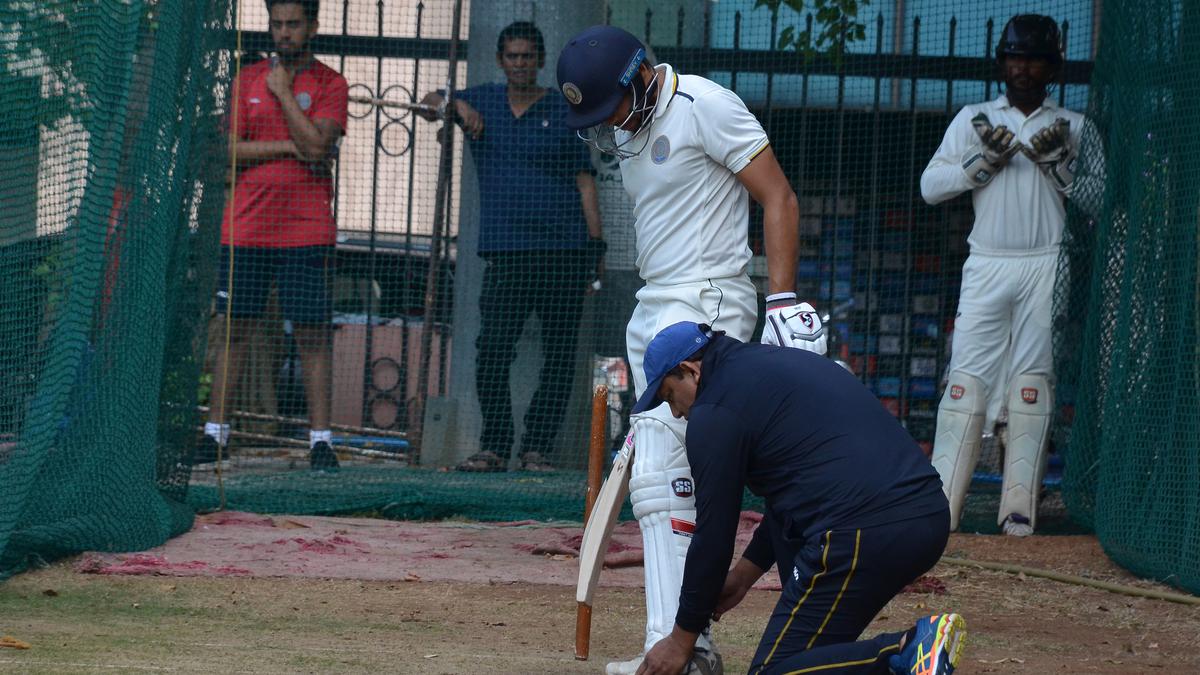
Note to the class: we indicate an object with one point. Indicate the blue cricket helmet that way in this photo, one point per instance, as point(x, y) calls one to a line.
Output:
point(595, 70)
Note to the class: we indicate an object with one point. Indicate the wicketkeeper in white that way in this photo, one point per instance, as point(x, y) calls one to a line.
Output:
point(691, 155)
point(1018, 155)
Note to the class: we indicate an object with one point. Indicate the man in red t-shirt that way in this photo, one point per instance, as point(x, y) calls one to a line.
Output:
point(288, 113)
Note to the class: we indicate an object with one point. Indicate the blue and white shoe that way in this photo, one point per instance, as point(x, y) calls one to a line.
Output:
point(935, 648)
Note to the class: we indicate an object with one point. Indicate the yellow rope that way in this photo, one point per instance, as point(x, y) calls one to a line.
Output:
point(233, 167)
point(1123, 589)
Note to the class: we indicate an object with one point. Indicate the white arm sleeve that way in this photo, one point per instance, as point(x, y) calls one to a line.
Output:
point(944, 177)
point(727, 130)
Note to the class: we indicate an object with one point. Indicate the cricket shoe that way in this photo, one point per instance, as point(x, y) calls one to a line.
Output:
point(935, 648)
point(207, 451)
point(322, 458)
point(623, 667)
point(1016, 525)
point(704, 662)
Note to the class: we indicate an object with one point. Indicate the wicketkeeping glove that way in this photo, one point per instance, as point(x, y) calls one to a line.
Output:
point(795, 326)
point(1051, 150)
point(996, 146)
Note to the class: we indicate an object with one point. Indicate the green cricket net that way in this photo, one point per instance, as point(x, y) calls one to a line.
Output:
point(1127, 346)
point(108, 206)
point(417, 279)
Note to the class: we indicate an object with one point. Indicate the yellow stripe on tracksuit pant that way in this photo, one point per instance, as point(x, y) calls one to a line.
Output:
point(836, 585)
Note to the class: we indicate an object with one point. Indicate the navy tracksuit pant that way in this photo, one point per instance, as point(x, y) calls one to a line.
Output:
point(834, 584)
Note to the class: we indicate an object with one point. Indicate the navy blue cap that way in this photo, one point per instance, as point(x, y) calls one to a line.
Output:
point(595, 69)
point(672, 346)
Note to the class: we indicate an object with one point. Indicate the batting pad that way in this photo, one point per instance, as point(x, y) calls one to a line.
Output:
point(661, 491)
point(1030, 407)
point(959, 432)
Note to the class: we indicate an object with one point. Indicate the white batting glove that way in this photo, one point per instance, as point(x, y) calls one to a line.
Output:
point(791, 325)
point(1051, 150)
point(997, 145)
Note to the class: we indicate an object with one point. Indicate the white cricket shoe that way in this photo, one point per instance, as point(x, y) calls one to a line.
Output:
point(1017, 526)
point(704, 662)
point(623, 667)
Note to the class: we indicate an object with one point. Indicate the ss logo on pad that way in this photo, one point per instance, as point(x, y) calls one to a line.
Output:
point(682, 487)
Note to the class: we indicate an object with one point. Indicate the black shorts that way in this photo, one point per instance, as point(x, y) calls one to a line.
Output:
point(302, 277)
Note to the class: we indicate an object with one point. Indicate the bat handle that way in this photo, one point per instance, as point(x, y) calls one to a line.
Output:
point(583, 631)
point(596, 448)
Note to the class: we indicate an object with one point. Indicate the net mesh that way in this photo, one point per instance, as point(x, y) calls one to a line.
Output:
point(426, 290)
point(108, 206)
point(1128, 348)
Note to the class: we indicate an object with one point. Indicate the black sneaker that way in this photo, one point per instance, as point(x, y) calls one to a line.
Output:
point(206, 451)
point(322, 458)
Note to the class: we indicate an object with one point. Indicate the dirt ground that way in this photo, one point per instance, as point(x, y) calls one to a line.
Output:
point(233, 623)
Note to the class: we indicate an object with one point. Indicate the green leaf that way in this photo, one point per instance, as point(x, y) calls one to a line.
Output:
point(835, 26)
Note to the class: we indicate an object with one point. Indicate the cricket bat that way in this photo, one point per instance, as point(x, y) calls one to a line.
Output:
point(596, 535)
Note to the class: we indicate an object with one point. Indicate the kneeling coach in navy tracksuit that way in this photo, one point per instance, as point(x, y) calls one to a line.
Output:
point(854, 510)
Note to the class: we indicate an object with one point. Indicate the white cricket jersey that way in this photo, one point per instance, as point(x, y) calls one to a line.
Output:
point(1019, 210)
point(691, 214)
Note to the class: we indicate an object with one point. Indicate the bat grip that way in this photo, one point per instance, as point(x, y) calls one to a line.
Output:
point(583, 631)
point(596, 448)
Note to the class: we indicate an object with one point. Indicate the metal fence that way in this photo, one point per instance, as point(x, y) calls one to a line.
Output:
point(853, 126)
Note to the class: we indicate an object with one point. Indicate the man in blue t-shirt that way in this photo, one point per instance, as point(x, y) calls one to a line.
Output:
point(854, 510)
point(540, 233)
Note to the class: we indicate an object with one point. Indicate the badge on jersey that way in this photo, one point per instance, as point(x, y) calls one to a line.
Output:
point(661, 150)
point(1029, 395)
point(957, 391)
point(304, 100)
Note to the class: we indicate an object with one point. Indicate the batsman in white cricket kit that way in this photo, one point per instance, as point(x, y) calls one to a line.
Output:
point(1019, 169)
point(681, 145)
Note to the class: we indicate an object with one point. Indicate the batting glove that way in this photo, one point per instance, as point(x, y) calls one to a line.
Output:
point(997, 145)
point(1051, 150)
point(792, 325)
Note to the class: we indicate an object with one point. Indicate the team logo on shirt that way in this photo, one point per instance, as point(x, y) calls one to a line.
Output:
point(682, 487)
point(661, 150)
point(957, 391)
point(574, 96)
point(1029, 395)
point(304, 100)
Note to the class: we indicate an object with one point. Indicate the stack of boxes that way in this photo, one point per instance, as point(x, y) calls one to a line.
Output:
point(888, 299)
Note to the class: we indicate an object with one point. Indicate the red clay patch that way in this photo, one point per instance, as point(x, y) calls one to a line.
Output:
point(240, 544)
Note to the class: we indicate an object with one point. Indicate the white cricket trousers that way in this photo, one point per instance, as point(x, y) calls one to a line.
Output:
point(1003, 325)
point(660, 484)
point(728, 304)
